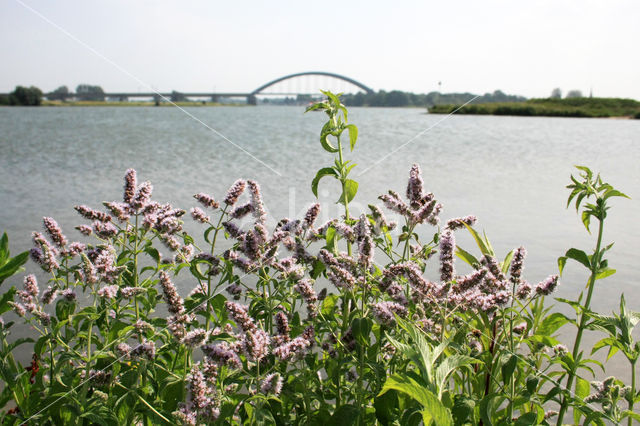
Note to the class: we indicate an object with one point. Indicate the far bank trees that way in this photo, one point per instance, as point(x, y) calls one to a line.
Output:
point(87, 92)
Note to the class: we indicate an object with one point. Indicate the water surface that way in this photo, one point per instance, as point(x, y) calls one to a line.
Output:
point(509, 171)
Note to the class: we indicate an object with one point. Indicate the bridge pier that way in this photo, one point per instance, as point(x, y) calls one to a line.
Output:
point(252, 100)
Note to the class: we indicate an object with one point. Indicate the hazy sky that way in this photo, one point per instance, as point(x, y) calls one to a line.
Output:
point(519, 47)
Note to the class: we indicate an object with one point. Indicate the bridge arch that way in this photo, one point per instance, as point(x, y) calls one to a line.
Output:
point(322, 73)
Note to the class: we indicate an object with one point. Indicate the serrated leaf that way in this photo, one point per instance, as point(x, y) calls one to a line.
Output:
point(434, 411)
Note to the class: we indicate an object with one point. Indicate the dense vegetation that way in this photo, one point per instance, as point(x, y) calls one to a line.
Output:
point(397, 98)
point(552, 107)
point(22, 96)
point(323, 324)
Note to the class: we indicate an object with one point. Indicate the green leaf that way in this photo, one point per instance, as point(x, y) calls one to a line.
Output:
point(582, 391)
point(326, 171)
point(349, 193)
point(579, 256)
point(353, 135)
point(13, 265)
point(361, 328)
point(434, 411)
point(153, 252)
point(463, 408)
point(324, 138)
point(385, 406)
point(627, 413)
point(552, 323)
point(4, 248)
point(613, 193)
point(328, 304)
point(315, 106)
point(586, 219)
point(5, 299)
point(604, 273)
point(508, 368)
point(479, 240)
point(448, 366)
point(466, 256)
point(561, 262)
point(507, 262)
point(527, 419)
point(330, 237)
point(611, 342)
point(19, 342)
point(344, 415)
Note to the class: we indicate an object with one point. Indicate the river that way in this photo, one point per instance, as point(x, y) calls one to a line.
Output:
point(511, 172)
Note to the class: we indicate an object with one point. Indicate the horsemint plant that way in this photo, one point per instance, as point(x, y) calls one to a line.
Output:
point(299, 324)
point(589, 186)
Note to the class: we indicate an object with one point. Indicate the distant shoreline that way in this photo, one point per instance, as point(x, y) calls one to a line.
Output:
point(571, 107)
point(133, 104)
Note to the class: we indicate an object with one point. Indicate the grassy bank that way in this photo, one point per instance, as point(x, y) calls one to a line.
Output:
point(573, 107)
point(130, 104)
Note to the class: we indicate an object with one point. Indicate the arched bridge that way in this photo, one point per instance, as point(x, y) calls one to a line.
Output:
point(251, 97)
point(320, 73)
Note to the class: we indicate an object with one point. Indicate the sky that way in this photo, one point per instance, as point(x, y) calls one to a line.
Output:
point(526, 48)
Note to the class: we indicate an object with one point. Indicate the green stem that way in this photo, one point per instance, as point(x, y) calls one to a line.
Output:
point(490, 366)
point(406, 252)
point(633, 390)
point(87, 369)
point(343, 180)
point(213, 246)
point(361, 358)
point(512, 381)
point(583, 320)
point(135, 272)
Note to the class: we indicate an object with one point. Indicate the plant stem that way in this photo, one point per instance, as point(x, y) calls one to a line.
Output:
point(595, 265)
point(512, 381)
point(213, 246)
point(361, 359)
point(343, 180)
point(487, 382)
point(633, 390)
point(135, 273)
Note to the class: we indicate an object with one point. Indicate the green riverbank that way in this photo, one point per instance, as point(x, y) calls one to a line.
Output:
point(572, 107)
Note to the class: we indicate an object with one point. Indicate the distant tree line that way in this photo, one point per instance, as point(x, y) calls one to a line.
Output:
point(23, 96)
point(32, 96)
point(396, 98)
